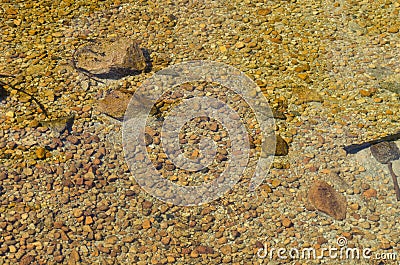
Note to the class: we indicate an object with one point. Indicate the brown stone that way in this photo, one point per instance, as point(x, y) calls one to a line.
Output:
point(89, 220)
point(282, 147)
point(146, 224)
point(129, 239)
point(321, 240)
point(104, 249)
point(40, 152)
point(393, 29)
point(305, 95)
point(165, 240)
point(226, 249)
point(204, 250)
point(265, 190)
point(74, 257)
point(286, 222)
point(58, 224)
point(302, 68)
point(365, 93)
point(115, 104)
point(147, 205)
point(34, 124)
point(170, 259)
point(64, 236)
point(325, 198)
point(72, 139)
point(240, 45)
point(264, 11)
point(26, 260)
point(276, 40)
point(77, 212)
point(370, 193)
point(109, 57)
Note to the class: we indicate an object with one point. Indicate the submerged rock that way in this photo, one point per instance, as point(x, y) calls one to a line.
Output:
point(304, 95)
point(115, 104)
point(59, 125)
point(110, 59)
point(281, 147)
point(326, 199)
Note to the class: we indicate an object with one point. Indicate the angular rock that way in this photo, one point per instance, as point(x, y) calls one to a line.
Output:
point(278, 114)
point(204, 250)
point(109, 59)
point(26, 260)
point(281, 146)
point(391, 83)
point(59, 125)
point(385, 152)
point(305, 95)
point(115, 104)
point(391, 86)
point(40, 152)
point(326, 199)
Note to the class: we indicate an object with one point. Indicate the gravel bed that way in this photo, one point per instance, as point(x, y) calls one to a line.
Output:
point(329, 71)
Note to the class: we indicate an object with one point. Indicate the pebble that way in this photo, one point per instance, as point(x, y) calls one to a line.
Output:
point(26, 260)
point(370, 193)
point(10, 114)
point(286, 222)
point(77, 212)
point(146, 224)
point(265, 190)
point(365, 93)
point(240, 45)
point(393, 29)
point(264, 11)
point(282, 147)
point(40, 152)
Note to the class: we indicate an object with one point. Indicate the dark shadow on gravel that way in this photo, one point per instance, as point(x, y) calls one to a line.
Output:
point(116, 73)
point(3, 92)
point(149, 65)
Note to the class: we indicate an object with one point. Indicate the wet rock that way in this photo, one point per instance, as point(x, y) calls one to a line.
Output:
point(385, 152)
point(282, 147)
point(305, 95)
point(59, 125)
point(278, 114)
point(40, 152)
point(26, 260)
point(115, 104)
point(326, 199)
point(109, 59)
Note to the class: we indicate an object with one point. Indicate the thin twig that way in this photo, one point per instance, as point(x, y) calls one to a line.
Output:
point(395, 183)
point(28, 94)
point(354, 148)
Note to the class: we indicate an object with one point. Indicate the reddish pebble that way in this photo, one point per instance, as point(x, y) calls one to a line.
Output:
point(370, 193)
